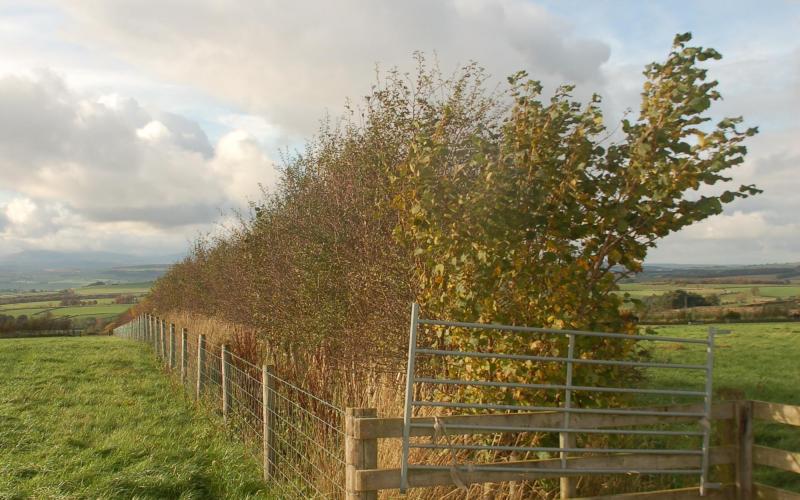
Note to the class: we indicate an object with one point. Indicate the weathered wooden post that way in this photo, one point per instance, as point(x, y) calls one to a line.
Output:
point(184, 354)
point(164, 336)
point(172, 353)
point(158, 336)
point(360, 454)
point(201, 364)
point(744, 446)
point(226, 382)
point(151, 327)
point(268, 419)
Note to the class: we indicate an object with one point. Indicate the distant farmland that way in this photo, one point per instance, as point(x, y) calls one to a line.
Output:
point(80, 304)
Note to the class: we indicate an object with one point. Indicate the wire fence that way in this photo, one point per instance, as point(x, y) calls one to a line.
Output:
point(298, 436)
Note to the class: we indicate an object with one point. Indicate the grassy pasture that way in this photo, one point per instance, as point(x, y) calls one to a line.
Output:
point(105, 307)
point(756, 360)
point(99, 310)
point(127, 288)
point(42, 304)
point(94, 417)
point(639, 290)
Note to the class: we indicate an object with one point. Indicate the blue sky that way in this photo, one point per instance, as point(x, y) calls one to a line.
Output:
point(134, 123)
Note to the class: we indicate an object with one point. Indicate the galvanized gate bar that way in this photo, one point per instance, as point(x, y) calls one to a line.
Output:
point(568, 387)
point(556, 359)
point(409, 400)
point(531, 329)
point(574, 430)
point(567, 408)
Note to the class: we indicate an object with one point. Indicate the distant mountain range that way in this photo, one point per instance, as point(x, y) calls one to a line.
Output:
point(45, 260)
point(786, 271)
point(48, 270)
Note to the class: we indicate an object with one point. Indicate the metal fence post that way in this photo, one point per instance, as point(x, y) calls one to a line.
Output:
point(201, 364)
point(360, 454)
point(226, 382)
point(567, 439)
point(184, 352)
point(268, 419)
point(172, 354)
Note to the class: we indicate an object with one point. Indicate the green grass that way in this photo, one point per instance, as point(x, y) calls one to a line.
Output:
point(103, 310)
point(94, 417)
point(99, 310)
point(28, 311)
point(640, 290)
point(132, 288)
point(42, 304)
point(757, 360)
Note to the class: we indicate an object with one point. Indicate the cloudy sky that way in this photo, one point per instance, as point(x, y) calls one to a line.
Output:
point(131, 125)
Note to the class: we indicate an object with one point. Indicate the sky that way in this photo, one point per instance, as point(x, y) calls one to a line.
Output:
point(135, 125)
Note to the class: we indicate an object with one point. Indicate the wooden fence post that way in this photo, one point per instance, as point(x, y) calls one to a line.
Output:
point(153, 333)
point(159, 334)
point(268, 419)
point(744, 445)
point(164, 340)
point(360, 454)
point(172, 354)
point(201, 364)
point(226, 382)
point(184, 352)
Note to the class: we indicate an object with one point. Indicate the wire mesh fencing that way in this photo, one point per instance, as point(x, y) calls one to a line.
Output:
point(298, 436)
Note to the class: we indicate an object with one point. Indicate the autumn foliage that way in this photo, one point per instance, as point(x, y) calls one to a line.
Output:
point(487, 206)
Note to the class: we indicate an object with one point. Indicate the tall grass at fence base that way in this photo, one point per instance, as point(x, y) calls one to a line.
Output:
point(313, 391)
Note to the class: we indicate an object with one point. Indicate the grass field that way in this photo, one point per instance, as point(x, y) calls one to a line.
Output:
point(639, 290)
point(93, 417)
point(105, 307)
point(132, 288)
point(99, 310)
point(758, 360)
point(41, 304)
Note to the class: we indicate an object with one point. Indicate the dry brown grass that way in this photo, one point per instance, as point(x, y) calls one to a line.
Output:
point(359, 387)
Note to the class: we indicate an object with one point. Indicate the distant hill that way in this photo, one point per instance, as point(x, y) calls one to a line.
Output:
point(754, 273)
point(64, 261)
point(48, 270)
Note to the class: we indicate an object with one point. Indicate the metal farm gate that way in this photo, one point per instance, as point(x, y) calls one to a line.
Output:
point(427, 396)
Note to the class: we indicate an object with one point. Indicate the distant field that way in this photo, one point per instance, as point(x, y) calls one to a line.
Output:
point(132, 288)
point(758, 360)
point(100, 310)
point(639, 290)
point(45, 304)
point(105, 307)
point(94, 417)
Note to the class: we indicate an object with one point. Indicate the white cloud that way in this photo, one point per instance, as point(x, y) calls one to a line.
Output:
point(261, 74)
point(19, 211)
point(761, 229)
point(293, 61)
point(81, 165)
point(154, 131)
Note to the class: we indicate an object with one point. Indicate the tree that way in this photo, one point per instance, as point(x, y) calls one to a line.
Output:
point(536, 222)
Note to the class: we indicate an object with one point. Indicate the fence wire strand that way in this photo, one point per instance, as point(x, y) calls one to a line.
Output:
point(305, 454)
